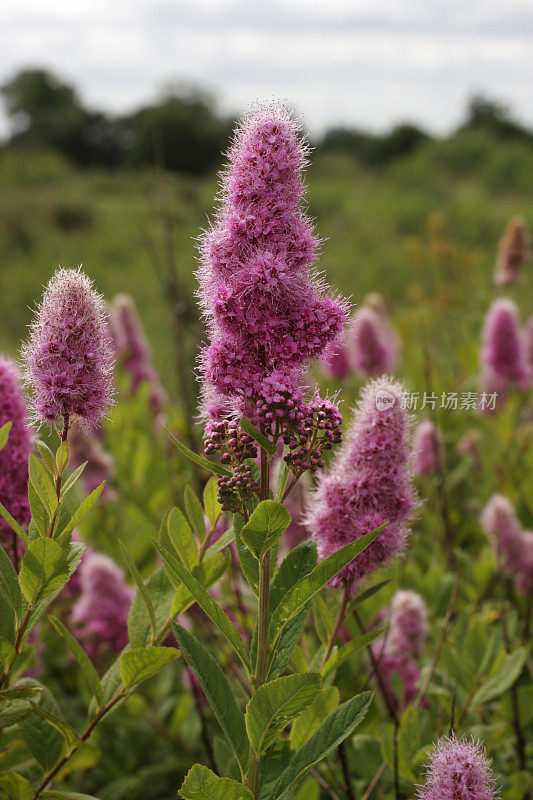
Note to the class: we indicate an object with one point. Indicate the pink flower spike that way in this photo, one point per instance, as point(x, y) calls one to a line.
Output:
point(458, 769)
point(68, 356)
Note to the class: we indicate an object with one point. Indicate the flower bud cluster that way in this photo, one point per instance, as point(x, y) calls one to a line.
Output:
point(236, 447)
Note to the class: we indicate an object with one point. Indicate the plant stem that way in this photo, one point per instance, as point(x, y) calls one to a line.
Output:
point(64, 436)
point(50, 775)
point(346, 771)
point(262, 628)
point(336, 628)
point(519, 733)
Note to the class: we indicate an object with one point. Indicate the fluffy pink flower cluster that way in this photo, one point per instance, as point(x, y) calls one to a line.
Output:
point(427, 448)
point(503, 355)
point(458, 769)
point(371, 348)
point(369, 483)
point(396, 653)
point(133, 349)
point(267, 314)
point(101, 611)
point(69, 359)
point(14, 456)
point(510, 542)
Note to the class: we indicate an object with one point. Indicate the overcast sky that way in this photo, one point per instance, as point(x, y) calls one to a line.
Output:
point(364, 62)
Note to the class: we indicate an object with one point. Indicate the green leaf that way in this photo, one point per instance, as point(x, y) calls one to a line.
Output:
point(62, 457)
point(82, 511)
point(13, 711)
point(207, 573)
point(226, 539)
point(141, 663)
point(408, 743)
point(14, 787)
point(249, 563)
point(283, 474)
point(202, 784)
point(377, 587)
point(47, 455)
point(348, 649)
point(72, 479)
point(86, 665)
point(290, 636)
point(4, 434)
point(44, 570)
point(42, 483)
point(9, 585)
point(299, 562)
point(502, 680)
point(265, 527)
point(273, 763)
point(218, 469)
point(195, 513)
point(55, 795)
point(259, 437)
point(212, 507)
point(206, 602)
point(340, 724)
point(275, 704)
point(161, 593)
point(218, 692)
point(304, 727)
point(45, 743)
point(12, 522)
point(182, 538)
point(311, 584)
point(39, 515)
point(136, 575)
point(70, 736)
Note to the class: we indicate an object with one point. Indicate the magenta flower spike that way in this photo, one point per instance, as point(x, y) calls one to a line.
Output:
point(368, 483)
point(101, 611)
point(513, 253)
point(503, 355)
point(14, 456)
point(458, 769)
point(336, 361)
point(427, 448)
point(407, 623)
point(68, 356)
point(374, 345)
point(133, 349)
point(512, 545)
point(267, 314)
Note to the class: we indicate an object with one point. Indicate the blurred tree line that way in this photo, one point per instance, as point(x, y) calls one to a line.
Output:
point(183, 131)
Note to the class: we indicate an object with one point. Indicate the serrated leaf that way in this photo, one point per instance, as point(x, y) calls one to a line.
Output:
point(299, 562)
point(218, 693)
point(141, 663)
point(207, 573)
point(195, 513)
point(206, 602)
point(202, 784)
point(266, 526)
point(70, 736)
point(348, 649)
point(45, 743)
point(304, 727)
point(136, 575)
point(81, 512)
point(182, 538)
point(212, 507)
point(290, 636)
point(44, 570)
point(249, 563)
point(85, 663)
point(502, 680)
point(311, 584)
point(40, 518)
point(9, 585)
point(218, 469)
point(336, 727)
point(4, 434)
point(42, 483)
point(161, 593)
point(275, 704)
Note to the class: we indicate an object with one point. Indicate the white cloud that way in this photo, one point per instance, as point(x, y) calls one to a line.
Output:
point(344, 61)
